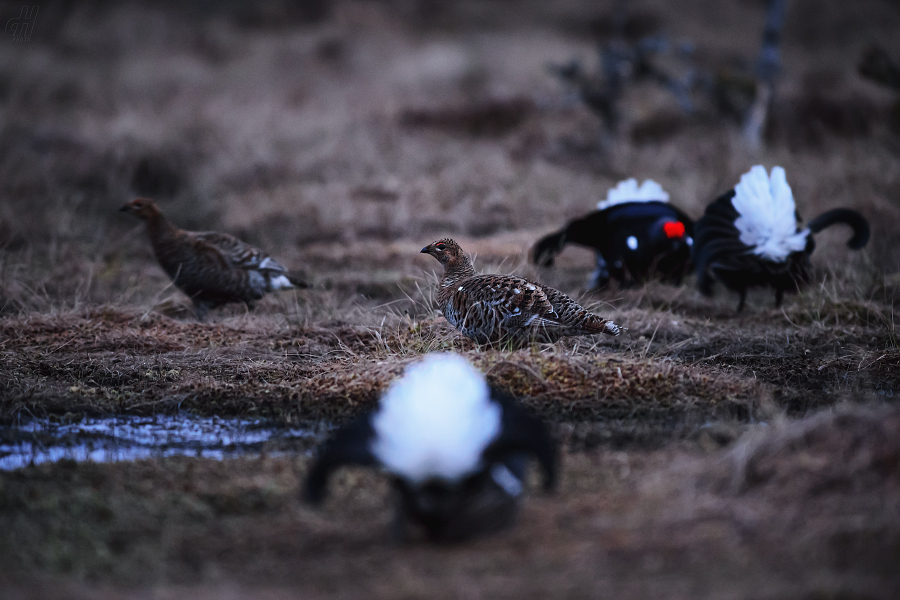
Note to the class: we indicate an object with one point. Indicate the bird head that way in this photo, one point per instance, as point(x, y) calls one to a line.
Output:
point(142, 208)
point(445, 250)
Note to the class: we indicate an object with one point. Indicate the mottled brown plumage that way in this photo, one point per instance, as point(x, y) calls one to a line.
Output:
point(211, 268)
point(495, 308)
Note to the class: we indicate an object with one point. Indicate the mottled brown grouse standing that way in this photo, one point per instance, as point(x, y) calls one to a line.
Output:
point(495, 308)
point(212, 268)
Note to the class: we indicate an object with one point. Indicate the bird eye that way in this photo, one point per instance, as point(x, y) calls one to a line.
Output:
point(441, 247)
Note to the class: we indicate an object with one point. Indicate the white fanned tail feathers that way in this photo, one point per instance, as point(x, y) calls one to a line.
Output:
point(436, 420)
point(629, 191)
point(768, 221)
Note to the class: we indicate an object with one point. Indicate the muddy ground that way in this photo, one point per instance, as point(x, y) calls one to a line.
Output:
point(706, 455)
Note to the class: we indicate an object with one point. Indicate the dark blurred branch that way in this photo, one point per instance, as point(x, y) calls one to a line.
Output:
point(623, 64)
point(745, 95)
point(768, 67)
point(878, 66)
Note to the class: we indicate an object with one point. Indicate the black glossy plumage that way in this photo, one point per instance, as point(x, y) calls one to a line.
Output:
point(848, 217)
point(607, 232)
point(720, 255)
point(449, 510)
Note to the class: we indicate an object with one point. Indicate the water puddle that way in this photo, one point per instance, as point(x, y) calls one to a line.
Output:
point(109, 439)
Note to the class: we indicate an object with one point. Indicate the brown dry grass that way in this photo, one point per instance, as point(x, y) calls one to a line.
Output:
point(344, 141)
point(104, 360)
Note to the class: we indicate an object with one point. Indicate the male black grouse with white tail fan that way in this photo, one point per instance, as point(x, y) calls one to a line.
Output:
point(456, 449)
point(635, 234)
point(751, 236)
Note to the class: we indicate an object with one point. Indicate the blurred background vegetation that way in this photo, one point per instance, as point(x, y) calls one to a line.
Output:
point(326, 124)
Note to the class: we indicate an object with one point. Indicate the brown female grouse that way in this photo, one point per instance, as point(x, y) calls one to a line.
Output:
point(212, 268)
point(494, 308)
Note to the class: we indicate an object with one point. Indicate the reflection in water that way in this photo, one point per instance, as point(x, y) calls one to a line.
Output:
point(118, 438)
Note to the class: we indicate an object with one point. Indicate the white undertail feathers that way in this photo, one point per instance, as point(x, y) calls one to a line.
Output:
point(436, 420)
point(281, 283)
point(629, 191)
point(767, 221)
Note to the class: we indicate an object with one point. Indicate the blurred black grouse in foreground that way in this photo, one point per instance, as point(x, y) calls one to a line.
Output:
point(750, 236)
point(457, 450)
point(635, 234)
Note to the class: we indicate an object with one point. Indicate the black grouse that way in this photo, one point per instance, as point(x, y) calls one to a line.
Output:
point(506, 308)
point(456, 450)
point(751, 236)
point(212, 268)
point(635, 234)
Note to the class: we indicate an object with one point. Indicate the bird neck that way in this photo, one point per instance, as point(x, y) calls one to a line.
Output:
point(160, 228)
point(456, 269)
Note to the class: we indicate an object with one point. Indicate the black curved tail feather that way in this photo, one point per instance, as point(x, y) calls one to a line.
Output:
point(545, 249)
point(297, 282)
point(848, 217)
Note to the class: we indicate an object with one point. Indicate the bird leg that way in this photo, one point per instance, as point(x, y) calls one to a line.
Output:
point(600, 276)
point(779, 297)
point(743, 293)
point(201, 308)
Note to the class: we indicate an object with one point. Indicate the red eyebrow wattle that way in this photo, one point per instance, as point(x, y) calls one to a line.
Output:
point(673, 229)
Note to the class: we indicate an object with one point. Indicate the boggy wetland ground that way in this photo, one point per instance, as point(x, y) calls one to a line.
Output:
point(705, 455)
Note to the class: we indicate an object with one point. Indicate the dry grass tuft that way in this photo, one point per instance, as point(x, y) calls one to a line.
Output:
point(849, 446)
point(109, 360)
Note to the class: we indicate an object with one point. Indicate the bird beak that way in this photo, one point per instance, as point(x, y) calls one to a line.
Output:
point(424, 250)
point(125, 208)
